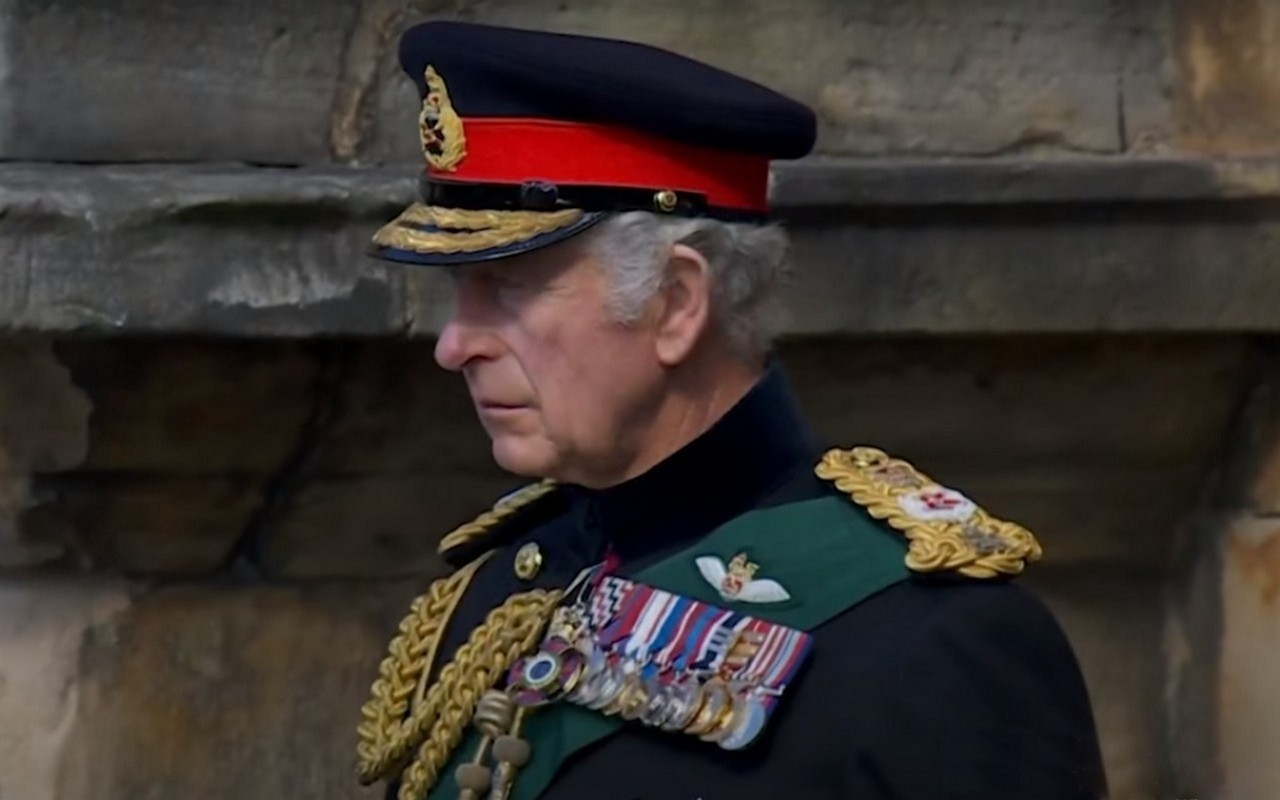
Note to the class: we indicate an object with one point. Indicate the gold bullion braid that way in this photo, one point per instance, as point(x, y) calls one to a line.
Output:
point(385, 735)
point(975, 544)
point(504, 508)
point(510, 631)
point(471, 231)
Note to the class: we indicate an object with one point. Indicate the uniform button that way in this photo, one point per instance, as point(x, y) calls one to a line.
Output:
point(528, 561)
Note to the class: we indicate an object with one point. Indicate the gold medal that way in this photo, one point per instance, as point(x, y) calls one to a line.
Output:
point(728, 721)
point(640, 699)
point(717, 703)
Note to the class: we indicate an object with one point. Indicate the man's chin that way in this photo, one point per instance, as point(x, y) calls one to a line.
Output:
point(519, 456)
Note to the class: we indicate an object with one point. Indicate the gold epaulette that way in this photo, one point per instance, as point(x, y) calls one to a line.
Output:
point(947, 531)
point(412, 723)
point(479, 527)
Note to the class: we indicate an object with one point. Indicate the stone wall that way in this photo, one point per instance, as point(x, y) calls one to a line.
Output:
point(293, 82)
point(268, 509)
point(1035, 255)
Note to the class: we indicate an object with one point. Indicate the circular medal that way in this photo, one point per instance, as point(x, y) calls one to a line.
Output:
point(546, 676)
point(685, 702)
point(589, 684)
point(609, 687)
point(644, 690)
point(748, 722)
point(660, 706)
point(717, 704)
point(626, 696)
point(541, 671)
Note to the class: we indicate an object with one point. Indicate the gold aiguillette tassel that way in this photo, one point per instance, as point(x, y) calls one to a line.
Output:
point(511, 752)
point(494, 714)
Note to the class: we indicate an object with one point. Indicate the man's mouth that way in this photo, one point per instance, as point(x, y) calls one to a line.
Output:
point(497, 406)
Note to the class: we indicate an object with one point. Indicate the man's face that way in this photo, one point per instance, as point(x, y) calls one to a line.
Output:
point(562, 390)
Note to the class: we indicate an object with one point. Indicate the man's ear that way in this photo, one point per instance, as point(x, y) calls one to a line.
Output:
point(682, 312)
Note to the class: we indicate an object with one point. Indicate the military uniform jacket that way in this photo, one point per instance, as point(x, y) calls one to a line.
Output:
point(932, 685)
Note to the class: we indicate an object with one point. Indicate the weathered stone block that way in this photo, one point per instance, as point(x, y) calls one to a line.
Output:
point(1266, 487)
point(1228, 98)
point(229, 81)
point(1099, 447)
point(1113, 618)
point(1259, 453)
point(380, 525)
point(197, 249)
point(291, 82)
point(210, 693)
point(400, 412)
point(1248, 694)
point(1022, 268)
point(884, 77)
point(43, 625)
point(44, 422)
point(1147, 77)
point(192, 407)
point(155, 525)
point(1027, 248)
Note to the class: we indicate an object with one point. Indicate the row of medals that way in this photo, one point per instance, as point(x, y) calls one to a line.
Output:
point(570, 666)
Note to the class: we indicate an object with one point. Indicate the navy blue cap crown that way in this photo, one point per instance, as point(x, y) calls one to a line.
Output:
point(508, 72)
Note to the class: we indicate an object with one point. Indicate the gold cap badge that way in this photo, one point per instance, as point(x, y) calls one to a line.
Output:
point(443, 142)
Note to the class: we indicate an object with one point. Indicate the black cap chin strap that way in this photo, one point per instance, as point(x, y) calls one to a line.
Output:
point(546, 196)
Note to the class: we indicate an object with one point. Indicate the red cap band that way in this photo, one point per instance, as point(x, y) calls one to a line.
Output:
point(503, 150)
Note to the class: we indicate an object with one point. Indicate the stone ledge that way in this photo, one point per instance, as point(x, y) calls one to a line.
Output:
point(945, 247)
point(825, 183)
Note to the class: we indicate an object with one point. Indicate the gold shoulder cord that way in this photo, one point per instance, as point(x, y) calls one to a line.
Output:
point(404, 713)
point(947, 531)
point(505, 508)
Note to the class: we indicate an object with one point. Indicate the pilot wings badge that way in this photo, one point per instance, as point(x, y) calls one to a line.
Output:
point(738, 581)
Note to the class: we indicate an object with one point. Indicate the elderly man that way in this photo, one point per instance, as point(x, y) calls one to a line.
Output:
point(694, 600)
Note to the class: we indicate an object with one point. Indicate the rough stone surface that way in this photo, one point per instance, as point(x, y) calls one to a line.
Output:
point(43, 625)
point(1023, 269)
point(1266, 489)
point(1249, 697)
point(1250, 470)
point(141, 249)
point(1099, 447)
point(1229, 97)
point(194, 407)
point(884, 77)
point(1147, 77)
point(1262, 458)
point(44, 421)
point(151, 524)
point(251, 252)
point(353, 458)
point(245, 692)
point(292, 82)
point(228, 81)
point(378, 525)
point(1113, 619)
point(1192, 645)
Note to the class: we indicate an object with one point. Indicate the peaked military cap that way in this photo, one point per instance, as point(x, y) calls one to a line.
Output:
point(532, 137)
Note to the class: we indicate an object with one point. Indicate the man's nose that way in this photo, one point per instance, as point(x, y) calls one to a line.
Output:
point(465, 336)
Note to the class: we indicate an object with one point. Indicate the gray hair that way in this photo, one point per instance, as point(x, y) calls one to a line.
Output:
point(748, 265)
